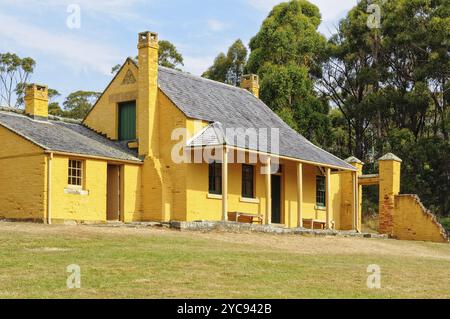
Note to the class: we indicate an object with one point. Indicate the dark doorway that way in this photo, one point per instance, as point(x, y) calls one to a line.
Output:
point(276, 199)
point(370, 209)
point(113, 193)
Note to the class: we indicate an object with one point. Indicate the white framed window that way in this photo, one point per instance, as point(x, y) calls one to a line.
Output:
point(75, 176)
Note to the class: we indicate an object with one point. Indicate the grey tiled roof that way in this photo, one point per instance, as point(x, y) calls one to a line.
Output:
point(66, 137)
point(235, 108)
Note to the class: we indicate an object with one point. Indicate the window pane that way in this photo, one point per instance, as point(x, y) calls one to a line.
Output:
point(215, 178)
point(247, 181)
point(320, 191)
point(75, 172)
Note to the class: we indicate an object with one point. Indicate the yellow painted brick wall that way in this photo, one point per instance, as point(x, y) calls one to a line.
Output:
point(23, 192)
point(164, 182)
point(170, 118)
point(310, 211)
point(346, 218)
point(103, 118)
point(411, 221)
point(90, 207)
point(131, 193)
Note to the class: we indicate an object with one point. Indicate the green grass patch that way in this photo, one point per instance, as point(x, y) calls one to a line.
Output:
point(168, 264)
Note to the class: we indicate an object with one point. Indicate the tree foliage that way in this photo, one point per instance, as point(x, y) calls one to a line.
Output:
point(229, 68)
point(285, 53)
point(14, 75)
point(391, 86)
point(169, 56)
point(79, 103)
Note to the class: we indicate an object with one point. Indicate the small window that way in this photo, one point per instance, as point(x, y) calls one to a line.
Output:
point(248, 174)
point(215, 178)
point(320, 191)
point(75, 173)
point(127, 121)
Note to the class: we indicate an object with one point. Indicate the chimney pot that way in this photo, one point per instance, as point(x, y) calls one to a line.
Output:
point(36, 101)
point(250, 82)
point(148, 39)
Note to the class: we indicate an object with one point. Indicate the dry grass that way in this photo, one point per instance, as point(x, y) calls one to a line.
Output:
point(158, 263)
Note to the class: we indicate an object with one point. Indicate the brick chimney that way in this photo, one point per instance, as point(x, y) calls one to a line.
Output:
point(250, 82)
point(36, 101)
point(147, 93)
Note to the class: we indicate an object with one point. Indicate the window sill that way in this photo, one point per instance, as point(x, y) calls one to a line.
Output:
point(214, 196)
point(249, 200)
point(320, 208)
point(75, 191)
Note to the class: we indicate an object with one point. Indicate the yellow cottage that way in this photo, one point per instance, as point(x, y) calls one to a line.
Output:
point(163, 145)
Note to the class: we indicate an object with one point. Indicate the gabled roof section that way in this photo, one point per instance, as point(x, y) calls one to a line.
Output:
point(236, 108)
point(65, 137)
point(211, 135)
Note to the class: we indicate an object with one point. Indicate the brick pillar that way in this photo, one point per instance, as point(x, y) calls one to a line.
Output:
point(389, 170)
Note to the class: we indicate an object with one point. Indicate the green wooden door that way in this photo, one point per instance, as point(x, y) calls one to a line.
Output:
point(127, 121)
point(276, 199)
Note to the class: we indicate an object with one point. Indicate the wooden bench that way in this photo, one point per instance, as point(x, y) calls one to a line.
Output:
point(245, 218)
point(313, 222)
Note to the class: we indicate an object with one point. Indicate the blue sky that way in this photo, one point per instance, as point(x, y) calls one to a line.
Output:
point(70, 59)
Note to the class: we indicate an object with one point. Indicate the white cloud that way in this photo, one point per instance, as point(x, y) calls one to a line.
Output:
point(331, 10)
point(79, 53)
point(197, 65)
point(216, 25)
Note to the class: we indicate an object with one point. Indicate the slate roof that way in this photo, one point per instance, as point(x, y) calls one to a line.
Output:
point(233, 108)
point(66, 137)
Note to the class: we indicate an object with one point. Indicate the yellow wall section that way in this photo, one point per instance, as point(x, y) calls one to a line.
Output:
point(90, 204)
point(103, 118)
point(89, 207)
point(413, 222)
point(23, 192)
point(131, 193)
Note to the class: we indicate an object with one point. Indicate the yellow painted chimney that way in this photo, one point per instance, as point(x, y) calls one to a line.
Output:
point(36, 101)
point(147, 93)
point(250, 82)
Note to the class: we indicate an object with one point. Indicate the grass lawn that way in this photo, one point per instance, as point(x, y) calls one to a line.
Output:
point(158, 263)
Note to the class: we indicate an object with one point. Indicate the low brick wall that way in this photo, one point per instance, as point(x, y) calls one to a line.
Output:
point(412, 221)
